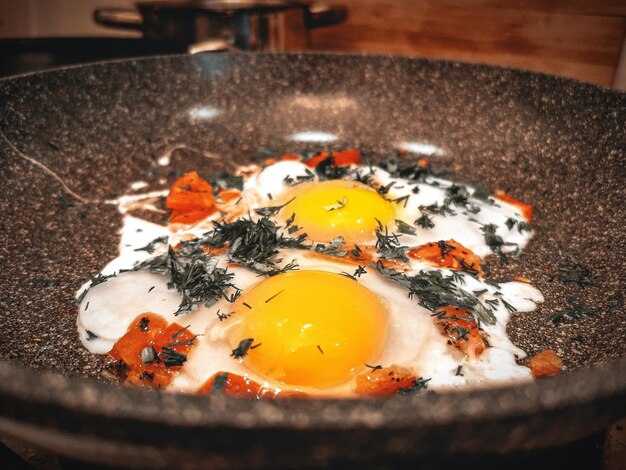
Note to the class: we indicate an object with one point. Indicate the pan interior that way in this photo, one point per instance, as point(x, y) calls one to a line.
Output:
point(73, 138)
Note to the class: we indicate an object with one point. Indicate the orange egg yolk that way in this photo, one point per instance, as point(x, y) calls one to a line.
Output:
point(328, 209)
point(309, 328)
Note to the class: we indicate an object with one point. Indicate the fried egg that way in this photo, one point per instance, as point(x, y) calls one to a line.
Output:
point(336, 302)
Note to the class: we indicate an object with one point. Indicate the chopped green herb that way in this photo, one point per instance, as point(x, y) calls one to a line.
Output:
point(523, 227)
point(493, 241)
point(172, 358)
point(253, 244)
point(242, 349)
point(143, 324)
point(274, 296)
point(193, 274)
point(508, 306)
point(444, 248)
point(467, 268)
point(384, 190)
point(436, 209)
point(388, 245)
point(481, 193)
point(405, 228)
point(326, 170)
point(340, 204)
point(271, 211)
point(224, 180)
point(457, 195)
point(333, 248)
point(359, 271)
point(401, 200)
point(151, 246)
point(343, 273)
point(95, 280)
point(416, 387)
point(433, 290)
point(425, 222)
point(510, 223)
point(219, 384)
point(461, 333)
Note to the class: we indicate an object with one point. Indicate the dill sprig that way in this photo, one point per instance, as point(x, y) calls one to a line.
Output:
point(405, 228)
point(219, 384)
point(194, 275)
point(436, 209)
point(172, 358)
point(388, 244)
point(481, 193)
point(493, 240)
point(425, 222)
point(457, 195)
point(335, 247)
point(242, 349)
point(412, 171)
point(271, 211)
point(151, 246)
point(416, 387)
point(253, 244)
point(225, 180)
point(326, 170)
point(94, 281)
point(433, 290)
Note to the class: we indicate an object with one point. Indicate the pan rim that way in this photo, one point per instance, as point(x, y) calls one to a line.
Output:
point(581, 386)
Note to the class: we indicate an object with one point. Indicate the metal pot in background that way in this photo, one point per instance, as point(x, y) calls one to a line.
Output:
point(205, 25)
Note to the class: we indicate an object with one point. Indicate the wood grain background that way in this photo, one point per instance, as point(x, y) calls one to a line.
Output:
point(576, 38)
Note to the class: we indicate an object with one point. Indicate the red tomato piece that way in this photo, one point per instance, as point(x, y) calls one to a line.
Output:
point(462, 329)
point(545, 364)
point(152, 331)
point(342, 158)
point(525, 208)
point(448, 254)
point(191, 195)
point(233, 386)
point(384, 382)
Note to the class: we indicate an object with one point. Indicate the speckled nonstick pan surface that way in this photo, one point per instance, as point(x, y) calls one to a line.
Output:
point(556, 143)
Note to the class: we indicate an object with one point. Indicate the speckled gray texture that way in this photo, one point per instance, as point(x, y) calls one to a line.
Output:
point(556, 143)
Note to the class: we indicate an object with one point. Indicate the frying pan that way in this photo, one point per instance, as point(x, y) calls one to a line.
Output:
point(73, 138)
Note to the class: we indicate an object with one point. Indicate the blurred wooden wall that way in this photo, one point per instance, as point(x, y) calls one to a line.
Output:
point(575, 38)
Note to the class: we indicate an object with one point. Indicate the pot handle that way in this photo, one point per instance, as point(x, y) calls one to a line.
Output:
point(119, 18)
point(321, 15)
